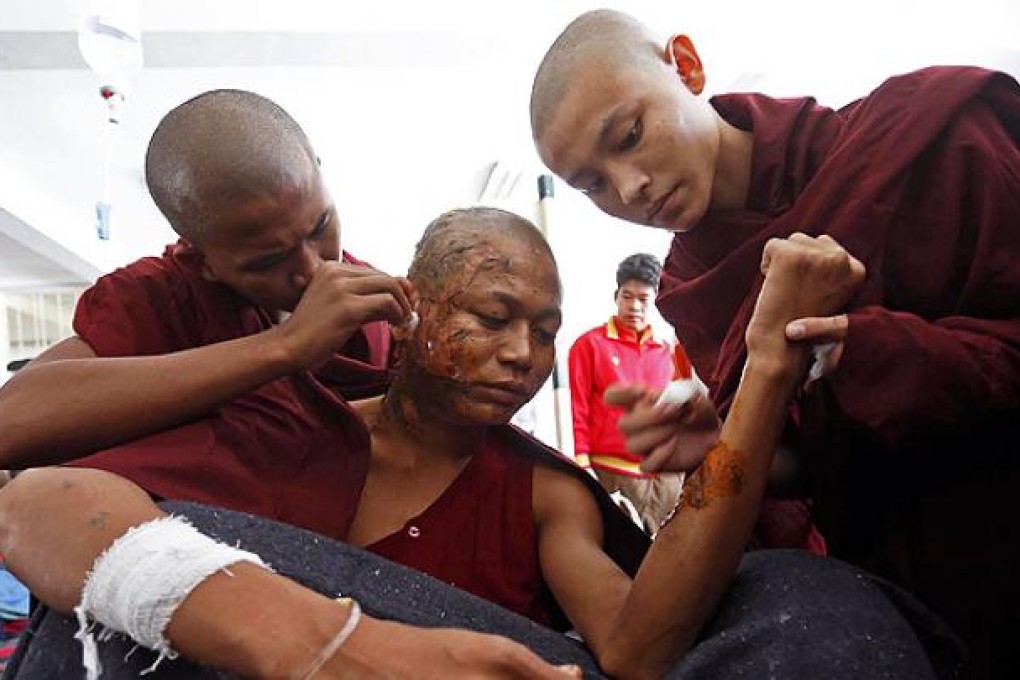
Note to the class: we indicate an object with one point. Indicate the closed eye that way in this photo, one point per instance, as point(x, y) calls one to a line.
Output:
point(266, 263)
point(320, 227)
point(494, 323)
point(545, 337)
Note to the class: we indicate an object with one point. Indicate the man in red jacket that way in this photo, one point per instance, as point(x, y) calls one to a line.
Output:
point(624, 349)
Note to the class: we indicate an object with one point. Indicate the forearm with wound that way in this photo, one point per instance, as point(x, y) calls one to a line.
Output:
point(695, 554)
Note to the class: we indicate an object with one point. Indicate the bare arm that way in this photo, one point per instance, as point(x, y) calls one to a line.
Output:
point(69, 402)
point(55, 522)
point(641, 631)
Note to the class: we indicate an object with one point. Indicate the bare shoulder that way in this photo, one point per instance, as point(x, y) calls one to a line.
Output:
point(558, 496)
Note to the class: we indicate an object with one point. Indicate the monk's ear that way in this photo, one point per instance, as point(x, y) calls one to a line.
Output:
point(400, 333)
point(208, 273)
point(684, 58)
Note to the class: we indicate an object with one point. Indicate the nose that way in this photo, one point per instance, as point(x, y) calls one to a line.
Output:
point(516, 347)
point(309, 260)
point(631, 184)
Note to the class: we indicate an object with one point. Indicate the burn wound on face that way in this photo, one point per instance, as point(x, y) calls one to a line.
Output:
point(460, 251)
point(449, 347)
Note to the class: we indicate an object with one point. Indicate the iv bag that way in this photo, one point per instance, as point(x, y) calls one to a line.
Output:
point(109, 38)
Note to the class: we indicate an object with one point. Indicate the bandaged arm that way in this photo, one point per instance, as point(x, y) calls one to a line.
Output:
point(55, 522)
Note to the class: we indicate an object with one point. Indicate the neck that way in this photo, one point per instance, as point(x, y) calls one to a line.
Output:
point(732, 180)
point(627, 328)
point(400, 426)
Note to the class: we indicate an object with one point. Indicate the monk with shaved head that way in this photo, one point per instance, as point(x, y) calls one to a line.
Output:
point(171, 340)
point(915, 396)
point(433, 478)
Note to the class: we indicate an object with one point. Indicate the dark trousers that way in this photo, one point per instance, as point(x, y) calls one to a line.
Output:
point(788, 614)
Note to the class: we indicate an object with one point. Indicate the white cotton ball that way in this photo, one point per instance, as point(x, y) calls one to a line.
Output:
point(412, 322)
point(679, 392)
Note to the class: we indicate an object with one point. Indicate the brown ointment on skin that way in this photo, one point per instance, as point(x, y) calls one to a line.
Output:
point(488, 310)
point(720, 475)
point(435, 363)
point(449, 349)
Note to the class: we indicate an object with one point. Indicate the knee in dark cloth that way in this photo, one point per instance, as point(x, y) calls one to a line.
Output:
point(789, 613)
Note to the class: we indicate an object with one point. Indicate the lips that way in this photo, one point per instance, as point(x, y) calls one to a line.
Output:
point(509, 393)
point(662, 207)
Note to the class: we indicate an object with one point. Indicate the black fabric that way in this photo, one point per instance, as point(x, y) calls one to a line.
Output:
point(789, 614)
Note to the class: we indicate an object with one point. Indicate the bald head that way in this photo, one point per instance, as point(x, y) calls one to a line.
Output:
point(453, 237)
point(597, 39)
point(219, 149)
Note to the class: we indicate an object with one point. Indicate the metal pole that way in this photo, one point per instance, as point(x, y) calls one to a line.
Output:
point(561, 393)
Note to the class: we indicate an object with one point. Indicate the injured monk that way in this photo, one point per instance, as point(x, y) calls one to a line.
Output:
point(470, 548)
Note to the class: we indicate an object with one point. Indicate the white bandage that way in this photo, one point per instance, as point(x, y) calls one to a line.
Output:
point(138, 583)
point(820, 363)
point(682, 391)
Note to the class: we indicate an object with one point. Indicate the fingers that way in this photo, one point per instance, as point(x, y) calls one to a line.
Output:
point(657, 459)
point(521, 662)
point(626, 395)
point(378, 307)
point(818, 329)
point(648, 425)
point(768, 253)
point(643, 441)
point(345, 281)
point(409, 291)
point(807, 276)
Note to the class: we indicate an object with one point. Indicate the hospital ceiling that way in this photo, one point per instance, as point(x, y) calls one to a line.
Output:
point(410, 104)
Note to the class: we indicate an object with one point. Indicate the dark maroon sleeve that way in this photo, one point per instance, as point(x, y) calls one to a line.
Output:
point(916, 371)
point(900, 374)
point(134, 311)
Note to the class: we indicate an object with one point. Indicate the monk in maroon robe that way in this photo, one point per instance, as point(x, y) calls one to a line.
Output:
point(908, 441)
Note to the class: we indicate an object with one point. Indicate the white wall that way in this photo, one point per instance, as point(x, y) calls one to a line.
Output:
point(438, 91)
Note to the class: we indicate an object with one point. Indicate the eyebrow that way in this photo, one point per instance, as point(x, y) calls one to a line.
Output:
point(511, 301)
point(602, 137)
point(609, 122)
point(258, 260)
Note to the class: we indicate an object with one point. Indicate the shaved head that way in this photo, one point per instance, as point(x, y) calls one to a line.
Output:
point(455, 235)
point(219, 149)
point(597, 39)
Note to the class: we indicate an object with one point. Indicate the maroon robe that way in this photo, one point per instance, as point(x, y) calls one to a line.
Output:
point(294, 450)
point(912, 442)
point(277, 451)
